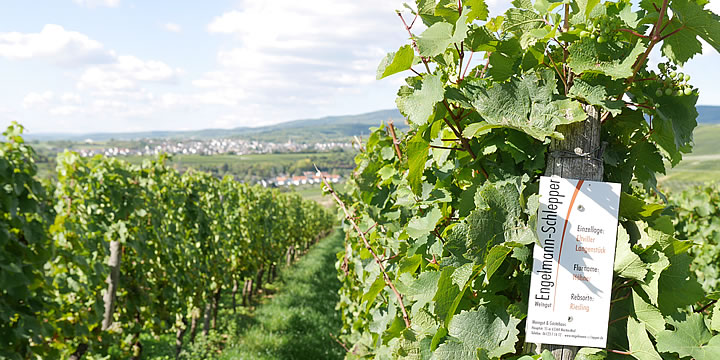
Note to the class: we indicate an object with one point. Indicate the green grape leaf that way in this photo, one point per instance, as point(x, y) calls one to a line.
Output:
point(409, 264)
point(424, 224)
point(690, 338)
point(495, 258)
point(448, 10)
point(422, 290)
point(678, 286)
point(657, 263)
point(547, 355)
point(505, 59)
point(640, 346)
point(527, 105)
point(502, 66)
point(417, 150)
point(591, 354)
point(633, 208)
point(493, 331)
point(595, 95)
point(541, 6)
point(627, 263)
point(629, 16)
point(453, 350)
point(523, 4)
point(521, 20)
point(447, 296)
point(462, 274)
point(480, 39)
point(673, 124)
point(426, 7)
point(587, 6)
point(371, 293)
point(665, 242)
point(648, 163)
point(478, 10)
point(418, 104)
point(435, 39)
point(439, 336)
point(681, 46)
point(587, 55)
point(495, 220)
point(692, 21)
point(396, 62)
point(715, 321)
point(647, 314)
point(477, 129)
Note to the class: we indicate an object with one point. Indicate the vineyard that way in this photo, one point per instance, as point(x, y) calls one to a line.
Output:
point(112, 251)
point(441, 220)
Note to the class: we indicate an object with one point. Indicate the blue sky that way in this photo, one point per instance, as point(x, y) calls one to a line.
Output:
point(79, 66)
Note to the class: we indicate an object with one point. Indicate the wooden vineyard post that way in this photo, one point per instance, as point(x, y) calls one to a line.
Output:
point(578, 156)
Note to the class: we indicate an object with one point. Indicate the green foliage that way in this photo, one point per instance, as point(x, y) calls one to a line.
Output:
point(419, 101)
point(691, 337)
point(396, 62)
point(528, 105)
point(24, 248)
point(452, 217)
point(698, 219)
point(299, 319)
point(182, 239)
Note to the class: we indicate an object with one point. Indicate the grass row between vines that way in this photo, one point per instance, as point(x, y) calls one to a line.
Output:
point(293, 319)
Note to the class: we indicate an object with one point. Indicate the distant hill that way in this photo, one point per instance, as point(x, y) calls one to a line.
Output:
point(326, 128)
point(708, 114)
point(309, 130)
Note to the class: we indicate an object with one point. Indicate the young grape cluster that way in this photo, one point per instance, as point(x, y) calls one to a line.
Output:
point(672, 82)
point(603, 29)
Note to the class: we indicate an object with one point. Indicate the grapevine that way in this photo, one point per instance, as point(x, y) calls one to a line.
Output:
point(24, 248)
point(441, 219)
point(130, 249)
point(698, 219)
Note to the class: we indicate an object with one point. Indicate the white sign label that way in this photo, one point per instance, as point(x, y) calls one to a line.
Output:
point(571, 282)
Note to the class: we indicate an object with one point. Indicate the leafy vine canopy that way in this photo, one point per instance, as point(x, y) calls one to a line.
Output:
point(541, 61)
point(437, 263)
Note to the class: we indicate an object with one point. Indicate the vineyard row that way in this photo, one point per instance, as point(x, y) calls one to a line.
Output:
point(113, 250)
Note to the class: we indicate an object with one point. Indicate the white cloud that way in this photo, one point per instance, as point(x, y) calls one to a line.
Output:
point(227, 23)
point(312, 59)
point(71, 98)
point(94, 3)
point(36, 99)
point(172, 27)
point(298, 25)
point(110, 91)
point(66, 110)
point(253, 58)
point(53, 42)
point(306, 56)
point(125, 73)
point(227, 96)
point(108, 105)
point(345, 79)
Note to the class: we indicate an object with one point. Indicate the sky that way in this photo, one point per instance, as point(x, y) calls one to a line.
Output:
point(81, 66)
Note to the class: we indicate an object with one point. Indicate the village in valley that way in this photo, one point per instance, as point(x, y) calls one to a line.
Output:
point(267, 163)
point(152, 147)
point(307, 178)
